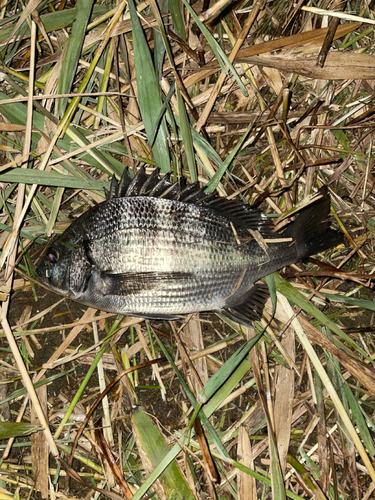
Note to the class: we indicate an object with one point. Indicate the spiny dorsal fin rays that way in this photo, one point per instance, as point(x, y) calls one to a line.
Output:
point(237, 212)
point(136, 184)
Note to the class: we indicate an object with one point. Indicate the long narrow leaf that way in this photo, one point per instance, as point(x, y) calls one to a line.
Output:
point(328, 385)
point(297, 298)
point(187, 137)
point(208, 411)
point(52, 21)
point(177, 18)
point(17, 113)
point(29, 176)
point(72, 52)
point(195, 404)
point(12, 429)
point(149, 93)
point(217, 50)
point(227, 369)
point(352, 301)
point(156, 449)
point(212, 185)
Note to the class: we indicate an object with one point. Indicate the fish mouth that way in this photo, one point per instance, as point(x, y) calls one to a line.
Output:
point(42, 271)
point(43, 279)
point(60, 286)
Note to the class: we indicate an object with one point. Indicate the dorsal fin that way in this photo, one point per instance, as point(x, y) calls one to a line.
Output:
point(136, 184)
point(235, 211)
point(160, 187)
point(172, 192)
point(118, 190)
point(113, 189)
point(187, 190)
point(151, 182)
point(125, 182)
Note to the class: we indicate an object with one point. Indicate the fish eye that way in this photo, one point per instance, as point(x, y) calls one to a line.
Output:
point(53, 255)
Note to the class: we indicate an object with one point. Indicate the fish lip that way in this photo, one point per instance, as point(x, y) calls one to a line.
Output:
point(40, 273)
point(43, 279)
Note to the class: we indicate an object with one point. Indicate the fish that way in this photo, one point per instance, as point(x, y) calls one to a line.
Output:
point(158, 250)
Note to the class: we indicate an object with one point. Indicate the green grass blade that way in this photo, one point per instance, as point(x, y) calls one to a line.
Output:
point(52, 22)
point(214, 182)
point(105, 81)
point(278, 488)
point(72, 52)
point(9, 430)
point(197, 407)
point(200, 142)
point(156, 449)
point(149, 93)
point(20, 392)
point(298, 299)
point(307, 476)
point(54, 210)
point(206, 147)
point(187, 139)
point(208, 411)
point(352, 301)
point(327, 383)
point(44, 178)
point(185, 126)
point(29, 234)
point(216, 49)
point(177, 18)
point(359, 419)
point(348, 399)
point(217, 380)
point(227, 387)
point(81, 388)
point(17, 113)
point(159, 41)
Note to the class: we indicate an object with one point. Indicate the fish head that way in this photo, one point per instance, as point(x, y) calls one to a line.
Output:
point(65, 267)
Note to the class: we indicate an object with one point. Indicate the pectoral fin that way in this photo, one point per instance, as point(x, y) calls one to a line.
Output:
point(133, 283)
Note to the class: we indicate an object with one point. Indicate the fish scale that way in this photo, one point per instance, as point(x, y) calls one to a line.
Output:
point(157, 257)
point(203, 246)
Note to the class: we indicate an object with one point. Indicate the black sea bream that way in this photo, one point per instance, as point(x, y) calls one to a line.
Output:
point(158, 250)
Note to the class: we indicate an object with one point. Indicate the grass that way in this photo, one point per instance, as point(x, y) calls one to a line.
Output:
point(264, 101)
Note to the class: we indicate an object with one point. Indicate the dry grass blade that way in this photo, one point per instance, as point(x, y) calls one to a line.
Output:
point(327, 383)
point(209, 464)
point(39, 447)
point(246, 484)
point(284, 393)
point(338, 66)
point(106, 450)
point(314, 37)
point(340, 15)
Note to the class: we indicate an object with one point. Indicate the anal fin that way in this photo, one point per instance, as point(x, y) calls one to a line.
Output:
point(248, 307)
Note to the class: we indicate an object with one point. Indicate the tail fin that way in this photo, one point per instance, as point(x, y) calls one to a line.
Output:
point(311, 229)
